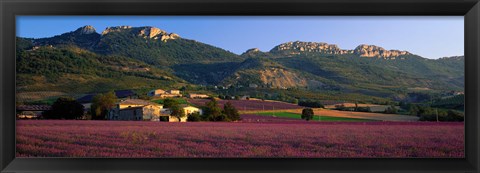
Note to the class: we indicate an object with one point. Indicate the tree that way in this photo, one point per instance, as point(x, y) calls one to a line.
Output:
point(168, 102)
point(311, 103)
point(455, 116)
point(193, 117)
point(231, 112)
point(212, 111)
point(307, 114)
point(101, 104)
point(65, 108)
point(177, 112)
point(391, 110)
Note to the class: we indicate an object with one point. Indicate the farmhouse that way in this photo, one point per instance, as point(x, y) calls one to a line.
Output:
point(169, 95)
point(164, 94)
point(31, 111)
point(135, 109)
point(197, 96)
point(87, 100)
point(142, 110)
point(188, 110)
point(173, 91)
point(156, 92)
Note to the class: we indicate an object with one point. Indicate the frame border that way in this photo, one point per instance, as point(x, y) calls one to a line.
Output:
point(470, 9)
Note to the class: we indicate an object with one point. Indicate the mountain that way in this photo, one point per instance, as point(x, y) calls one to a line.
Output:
point(368, 69)
point(148, 44)
point(74, 70)
point(85, 61)
point(125, 57)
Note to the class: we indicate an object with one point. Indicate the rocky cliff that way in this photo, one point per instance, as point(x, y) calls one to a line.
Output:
point(86, 30)
point(311, 47)
point(375, 51)
point(145, 32)
point(320, 47)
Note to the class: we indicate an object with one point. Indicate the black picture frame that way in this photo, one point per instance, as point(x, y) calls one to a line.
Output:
point(470, 9)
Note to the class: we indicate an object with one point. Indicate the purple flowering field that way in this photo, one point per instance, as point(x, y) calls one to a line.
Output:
point(64, 138)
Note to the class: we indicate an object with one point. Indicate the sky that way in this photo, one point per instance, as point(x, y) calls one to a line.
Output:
point(428, 36)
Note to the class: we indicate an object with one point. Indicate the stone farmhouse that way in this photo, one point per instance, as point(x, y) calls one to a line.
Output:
point(141, 110)
point(31, 111)
point(135, 109)
point(198, 96)
point(164, 94)
point(188, 110)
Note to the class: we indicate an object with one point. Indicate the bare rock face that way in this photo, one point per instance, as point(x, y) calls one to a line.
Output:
point(311, 47)
point(86, 30)
point(171, 36)
point(150, 32)
point(156, 33)
point(363, 50)
point(115, 29)
point(375, 51)
point(145, 32)
point(281, 78)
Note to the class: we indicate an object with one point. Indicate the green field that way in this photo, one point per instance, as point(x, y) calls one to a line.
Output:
point(315, 118)
point(179, 100)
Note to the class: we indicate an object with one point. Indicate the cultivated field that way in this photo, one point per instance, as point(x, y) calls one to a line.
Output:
point(315, 118)
point(373, 107)
point(249, 105)
point(360, 115)
point(256, 106)
point(292, 138)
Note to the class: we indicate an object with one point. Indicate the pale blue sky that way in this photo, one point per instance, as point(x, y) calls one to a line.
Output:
point(427, 36)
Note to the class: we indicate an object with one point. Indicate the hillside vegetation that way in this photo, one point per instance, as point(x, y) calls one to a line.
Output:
point(144, 58)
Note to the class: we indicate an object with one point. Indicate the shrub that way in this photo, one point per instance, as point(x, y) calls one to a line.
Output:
point(101, 104)
point(177, 112)
point(455, 116)
point(168, 102)
point(364, 109)
point(211, 111)
point(194, 117)
point(391, 110)
point(231, 112)
point(342, 107)
point(65, 108)
point(311, 103)
point(307, 114)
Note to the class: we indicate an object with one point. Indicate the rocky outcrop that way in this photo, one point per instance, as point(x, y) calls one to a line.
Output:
point(252, 50)
point(375, 51)
point(115, 29)
point(86, 30)
point(311, 47)
point(361, 50)
point(145, 32)
point(151, 32)
point(165, 37)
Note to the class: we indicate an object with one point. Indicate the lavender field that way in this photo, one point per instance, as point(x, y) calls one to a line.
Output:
point(63, 138)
